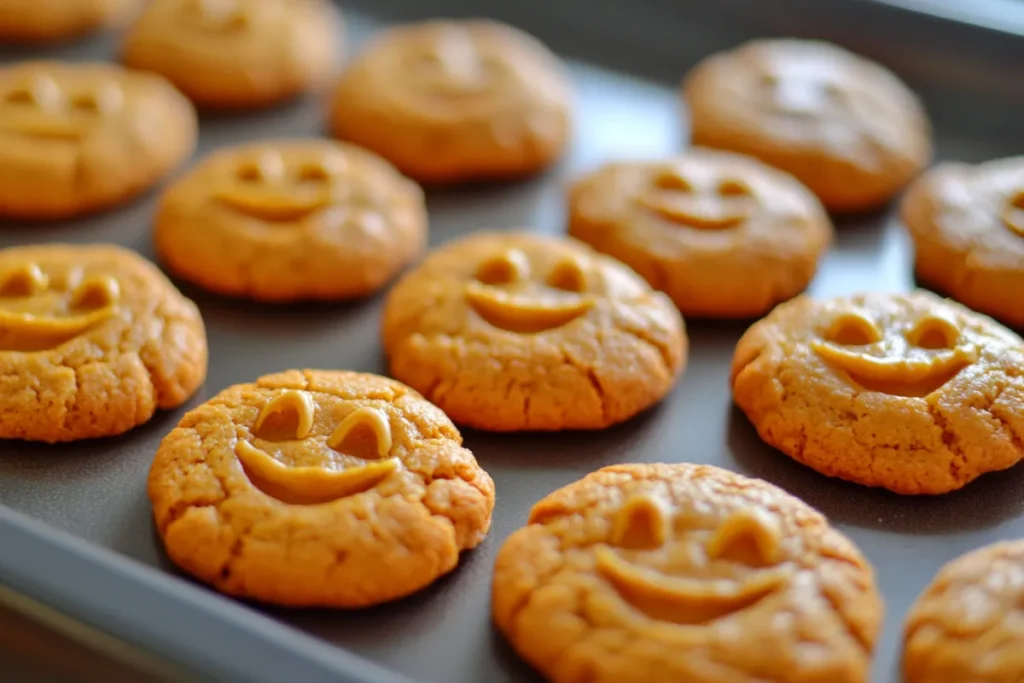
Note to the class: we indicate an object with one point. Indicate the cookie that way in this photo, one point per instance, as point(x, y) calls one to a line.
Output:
point(908, 392)
point(93, 339)
point(967, 224)
point(453, 101)
point(318, 488)
point(79, 137)
point(722, 234)
point(968, 624)
point(284, 220)
point(846, 127)
point(508, 331)
point(666, 573)
point(55, 20)
point(237, 53)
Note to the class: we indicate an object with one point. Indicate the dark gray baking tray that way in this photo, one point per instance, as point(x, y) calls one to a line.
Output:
point(626, 58)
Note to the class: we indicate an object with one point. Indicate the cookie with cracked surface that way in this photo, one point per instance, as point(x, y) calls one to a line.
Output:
point(234, 54)
point(968, 623)
point(93, 339)
point(454, 101)
point(43, 21)
point(291, 219)
point(845, 126)
point(967, 224)
point(78, 137)
point(511, 331)
point(318, 488)
point(721, 233)
point(664, 573)
point(909, 392)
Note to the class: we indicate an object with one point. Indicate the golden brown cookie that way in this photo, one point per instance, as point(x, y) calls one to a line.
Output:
point(722, 234)
point(78, 137)
point(318, 488)
point(512, 331)
point(56, 20)
point(967, 223)
point(93, 339)
point(968, 625)
point(282, 220)
point(668, 573)
point(846, 127)
point(909, 392)
point(452, 101)
point(237, 53)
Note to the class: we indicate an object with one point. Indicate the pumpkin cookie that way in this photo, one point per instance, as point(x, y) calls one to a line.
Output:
point(666, 573)
point(318, 488)
point(909, 392)
point(291, 219)
point(721, 233)
point(513, 331)
point(967, 223)
point(80, 137)
point(846, 127)
point(451, 101)
point(93, 339)
point(56, 20)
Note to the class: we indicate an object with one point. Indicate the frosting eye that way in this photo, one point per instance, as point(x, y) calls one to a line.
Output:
point(365, 433)
point(314, 173)
point(249, 173)
point(853, 329)
point(510, 267)
point(27, 280)
point(287, 416)
point(748, 536)
point(96, 292)
point(733, 188)
point(20, 96)
point(672, 179)
point(641, 524)
point(934, 332)
point(568, 275)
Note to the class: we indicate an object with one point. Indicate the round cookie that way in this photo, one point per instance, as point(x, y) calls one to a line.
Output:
point(722, 234)
point(36, 21)
point(237, 53)
point(284, 220)
point(79, 137)
point(509, 331)
point(93, 339)
point(318, 489)
point(908, 392)
point(846, 127)
point(453, 101)
point(968, 623)
point(967, 223)
point(666, 573)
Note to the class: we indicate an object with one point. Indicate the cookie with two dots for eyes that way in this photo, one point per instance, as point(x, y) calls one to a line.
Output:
point(909, 392)
point(237, 53)
point(43, 21)
point(283, 220)
point(846, 127)
point(453, 101)
point(93, 339)
point(663, 573)
point(78, 137)
point(318, 488)
point(510, 331)
point(721, 233)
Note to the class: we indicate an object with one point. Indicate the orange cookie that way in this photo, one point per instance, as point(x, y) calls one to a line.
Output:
point(237, 53)
point(969, 623)
point(93, 339)
point(909, 392)
point(513, 331)
point(282, 220)
point(55, 20)
point(722, 234)
point(668, 573)
point(846, 127)
point(78, 137)
point(318, 488)
point(450, 101)
point(967, 223)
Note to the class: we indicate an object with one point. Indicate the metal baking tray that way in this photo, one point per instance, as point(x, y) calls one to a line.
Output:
point(75, 526)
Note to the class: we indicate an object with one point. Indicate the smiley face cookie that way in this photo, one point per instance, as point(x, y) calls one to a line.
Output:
point(80, 137)
point(291, 219)
point(846, 127)
point(93, 339)
point(665, 573)
point(451, 101)
point(318, 489)
point(513, 331)
point(909, 392)
point(54, 20)
point(722, 234)
point(236, 53)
